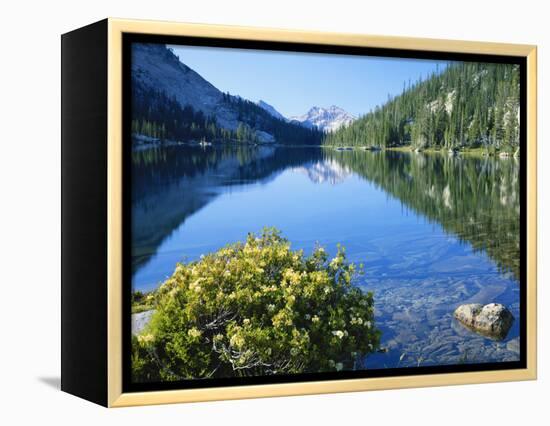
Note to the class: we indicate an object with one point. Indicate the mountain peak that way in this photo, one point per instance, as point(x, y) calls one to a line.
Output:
point(327, 119)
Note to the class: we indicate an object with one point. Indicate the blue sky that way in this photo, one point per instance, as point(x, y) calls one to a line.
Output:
point(294, 82)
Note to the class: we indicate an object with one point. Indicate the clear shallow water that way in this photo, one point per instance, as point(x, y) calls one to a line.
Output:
point(432, 231)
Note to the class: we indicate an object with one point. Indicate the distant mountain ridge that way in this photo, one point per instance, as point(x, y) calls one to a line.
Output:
point(271, 109)
point(325, 119)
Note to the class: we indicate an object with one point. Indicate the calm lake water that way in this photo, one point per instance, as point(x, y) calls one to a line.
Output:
point(433, 231)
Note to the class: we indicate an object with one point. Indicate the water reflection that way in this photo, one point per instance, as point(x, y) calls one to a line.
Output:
point(476, 199)
point(170, 184)
point(433, 231)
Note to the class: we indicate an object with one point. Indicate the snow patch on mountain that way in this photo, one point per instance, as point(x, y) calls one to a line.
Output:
point(326, 119)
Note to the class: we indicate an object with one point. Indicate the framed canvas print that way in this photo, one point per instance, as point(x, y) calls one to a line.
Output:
point(250, 212)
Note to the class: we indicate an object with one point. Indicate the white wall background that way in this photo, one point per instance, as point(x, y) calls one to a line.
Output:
point(30, 211)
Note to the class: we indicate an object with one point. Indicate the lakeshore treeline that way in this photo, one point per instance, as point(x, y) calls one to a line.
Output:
point(465, 105)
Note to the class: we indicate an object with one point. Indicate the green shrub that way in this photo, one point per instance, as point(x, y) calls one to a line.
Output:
point(142, 302)
point(256, 308)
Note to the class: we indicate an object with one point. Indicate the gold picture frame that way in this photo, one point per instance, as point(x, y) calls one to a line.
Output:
point(115, 29)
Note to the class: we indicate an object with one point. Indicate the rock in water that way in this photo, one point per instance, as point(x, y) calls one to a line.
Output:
point(492, 320)
point(468, 313)
point(496, 319)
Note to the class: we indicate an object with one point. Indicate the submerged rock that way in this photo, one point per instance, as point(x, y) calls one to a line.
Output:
point(513, 345)
point(492, 320)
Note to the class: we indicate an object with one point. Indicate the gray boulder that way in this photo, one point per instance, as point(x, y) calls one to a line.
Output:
point(493, 320)
point(468, 313)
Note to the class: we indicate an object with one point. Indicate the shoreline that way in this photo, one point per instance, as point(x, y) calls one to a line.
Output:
point(145, 143)
point(474, 152)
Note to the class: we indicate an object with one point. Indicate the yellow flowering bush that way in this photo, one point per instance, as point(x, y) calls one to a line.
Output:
point(256, 308)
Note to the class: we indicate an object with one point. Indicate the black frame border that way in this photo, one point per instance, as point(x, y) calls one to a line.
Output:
point(129, 38)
